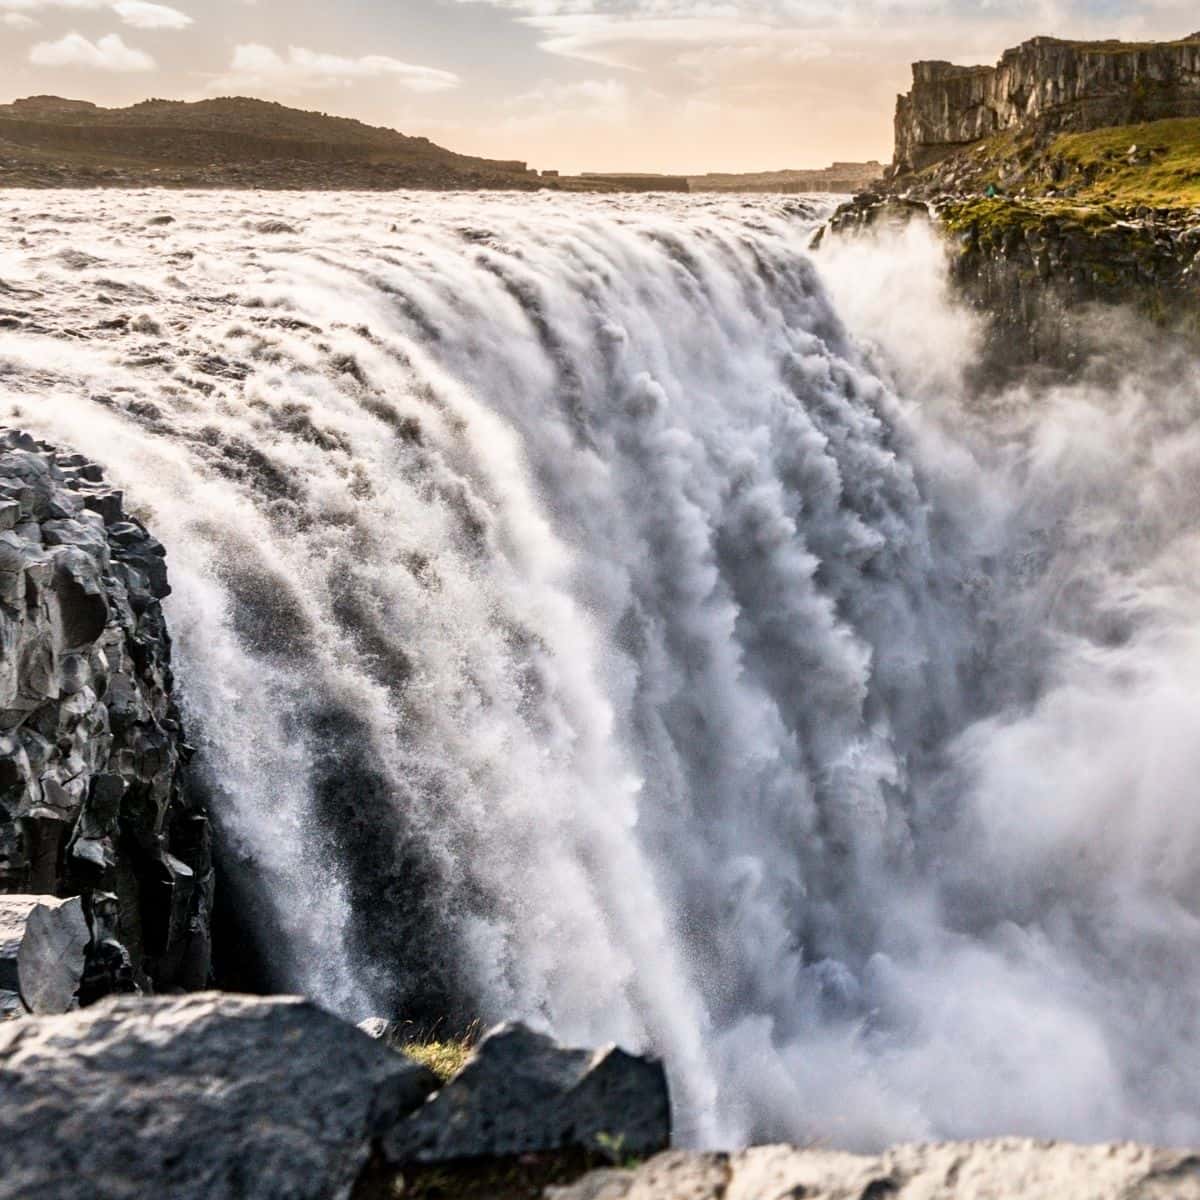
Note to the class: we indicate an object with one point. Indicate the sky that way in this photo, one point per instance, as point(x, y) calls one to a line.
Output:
point(609, 85)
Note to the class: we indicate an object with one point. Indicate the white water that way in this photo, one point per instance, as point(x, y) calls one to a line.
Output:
point(575, 625)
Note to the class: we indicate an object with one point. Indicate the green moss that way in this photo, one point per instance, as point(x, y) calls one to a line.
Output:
point(989, 221)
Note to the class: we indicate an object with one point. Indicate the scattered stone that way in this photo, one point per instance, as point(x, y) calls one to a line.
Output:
point(522, 1093)
point(1003, 1170)
point(204, 1097)
point(51, 960)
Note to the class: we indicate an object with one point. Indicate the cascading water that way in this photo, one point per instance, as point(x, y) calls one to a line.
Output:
point(575, 626)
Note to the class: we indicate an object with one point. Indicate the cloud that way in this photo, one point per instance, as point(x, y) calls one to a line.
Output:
point(139, 14)
point(143, 15)
point(257, 66)
point(108, 54)
point(16, 20)
point(657, 34)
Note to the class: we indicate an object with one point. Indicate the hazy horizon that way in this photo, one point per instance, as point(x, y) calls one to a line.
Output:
point(617, 85)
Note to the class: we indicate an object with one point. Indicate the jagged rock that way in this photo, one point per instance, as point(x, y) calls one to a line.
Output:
point(205, 1096)
point(1046, 82)
point(92, 796)
point(521, 1092)
point(1005, 1170)
point(51, 959)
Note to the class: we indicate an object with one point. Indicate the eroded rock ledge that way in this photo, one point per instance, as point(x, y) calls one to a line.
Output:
point(92, 796)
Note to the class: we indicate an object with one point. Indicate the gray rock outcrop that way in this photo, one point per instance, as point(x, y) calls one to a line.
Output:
point(203, 1097)
point(1004, 1170)
point(522, 1093)
point(52, 957)
point(92, 796)
point(1055, 84)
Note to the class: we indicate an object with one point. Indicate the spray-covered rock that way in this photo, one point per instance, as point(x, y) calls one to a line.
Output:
point(522, 1093)
point(92, 801)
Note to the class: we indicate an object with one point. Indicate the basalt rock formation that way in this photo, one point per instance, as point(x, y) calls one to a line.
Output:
point(1054, 84)
point(206, 1095)
point(92, 795)
point(521, 1093)
point(1044, 272)
point(224, 1097)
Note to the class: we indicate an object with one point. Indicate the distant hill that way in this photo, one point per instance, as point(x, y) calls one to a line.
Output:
point(52, 141)
point(841, 177)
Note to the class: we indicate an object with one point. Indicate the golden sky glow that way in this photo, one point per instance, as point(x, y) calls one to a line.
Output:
point(575, 84)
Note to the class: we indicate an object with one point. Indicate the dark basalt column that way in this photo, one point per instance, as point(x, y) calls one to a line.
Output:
point(93, 795)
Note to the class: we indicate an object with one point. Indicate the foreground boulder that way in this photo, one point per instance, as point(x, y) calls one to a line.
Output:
point(1005, 1170)
point(205, 1096)
point(92, 795)
point(522, 1093)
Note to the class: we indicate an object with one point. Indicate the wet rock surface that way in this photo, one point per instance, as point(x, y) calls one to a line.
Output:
point(522, 1093)
point(1043, 272)
point(92, 795)
point(1003, 1170)
point(208, 1095)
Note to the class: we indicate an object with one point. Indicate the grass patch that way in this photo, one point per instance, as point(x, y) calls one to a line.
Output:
point(1171, 178)
point(444, 1059)
point(1088, 168)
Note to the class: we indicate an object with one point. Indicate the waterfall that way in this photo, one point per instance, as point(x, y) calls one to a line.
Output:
point(596, 612)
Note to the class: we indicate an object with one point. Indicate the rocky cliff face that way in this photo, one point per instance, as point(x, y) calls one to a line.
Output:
point(1043, 273)
point(92, 797)
point(1056, 85)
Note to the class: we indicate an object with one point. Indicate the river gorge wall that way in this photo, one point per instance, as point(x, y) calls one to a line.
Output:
point(93, 801)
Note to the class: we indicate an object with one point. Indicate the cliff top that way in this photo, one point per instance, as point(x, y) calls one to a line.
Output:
point(935, 69)
point(1045, 86)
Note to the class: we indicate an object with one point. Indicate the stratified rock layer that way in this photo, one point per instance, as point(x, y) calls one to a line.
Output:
point(1057, 85)
point(1007, 1170)
point(92, 797)
point(204, 1097)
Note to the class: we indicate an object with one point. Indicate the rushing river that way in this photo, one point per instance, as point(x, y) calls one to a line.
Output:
point(605, 613)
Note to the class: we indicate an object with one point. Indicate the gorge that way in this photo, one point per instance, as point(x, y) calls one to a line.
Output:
point(757, 634)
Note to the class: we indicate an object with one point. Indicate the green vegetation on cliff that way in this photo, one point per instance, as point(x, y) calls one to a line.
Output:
point(1152, 165)
point(1163, 170)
